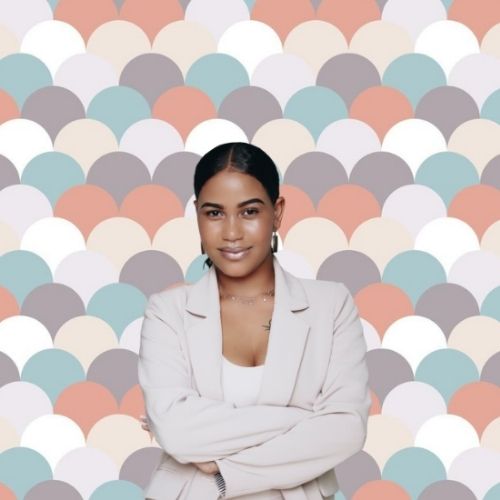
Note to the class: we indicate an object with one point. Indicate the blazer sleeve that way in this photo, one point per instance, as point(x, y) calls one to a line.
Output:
point(189, 427)
point(335, 431)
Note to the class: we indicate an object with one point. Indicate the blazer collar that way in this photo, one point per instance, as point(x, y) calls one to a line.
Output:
point(287, 337)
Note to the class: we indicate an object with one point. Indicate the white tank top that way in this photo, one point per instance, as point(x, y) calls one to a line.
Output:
point(241, 384)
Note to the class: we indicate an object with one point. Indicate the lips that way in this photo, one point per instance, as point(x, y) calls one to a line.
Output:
point(233, 253)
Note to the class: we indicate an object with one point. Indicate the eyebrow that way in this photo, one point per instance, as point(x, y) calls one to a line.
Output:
point(241, 204)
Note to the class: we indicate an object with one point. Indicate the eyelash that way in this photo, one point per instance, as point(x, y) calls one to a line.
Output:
point(255, 210)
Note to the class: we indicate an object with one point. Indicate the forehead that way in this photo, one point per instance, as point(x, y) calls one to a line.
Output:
point(231, 185)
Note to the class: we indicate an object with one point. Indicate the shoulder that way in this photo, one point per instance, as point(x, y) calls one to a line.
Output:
point(171, 298)
point(334, 289)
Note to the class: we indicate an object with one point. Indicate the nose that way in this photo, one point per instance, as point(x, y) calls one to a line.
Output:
point(232, 228)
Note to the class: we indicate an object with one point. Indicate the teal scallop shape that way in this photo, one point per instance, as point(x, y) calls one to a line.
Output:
point(414, 469)
point(53, 370)
point(118, 490)
point(447, 370)
point(315, 107)
point(447, 3)
point(196, 270)
point(491, 304)
point(118, 304)
point(493, 493)
point(217, 75)
point(447, 173)
point(22, 271)
point(414, 75)
point(53, 173)
point(119, 107)
point(414, 271)
point(23, 74)
point(491, 107)
point(21, 468)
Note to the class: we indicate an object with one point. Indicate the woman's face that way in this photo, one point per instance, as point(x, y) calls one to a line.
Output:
point(235, 212)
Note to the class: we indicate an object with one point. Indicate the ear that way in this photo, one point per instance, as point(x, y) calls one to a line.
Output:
point(279, 209)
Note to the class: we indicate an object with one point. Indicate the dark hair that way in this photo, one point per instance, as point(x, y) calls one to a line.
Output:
point(241, 157)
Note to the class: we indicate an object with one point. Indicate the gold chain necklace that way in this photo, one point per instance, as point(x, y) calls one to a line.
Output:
point(248, 300)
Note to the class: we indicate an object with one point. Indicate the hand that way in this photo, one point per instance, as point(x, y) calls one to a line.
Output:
point(206, 467)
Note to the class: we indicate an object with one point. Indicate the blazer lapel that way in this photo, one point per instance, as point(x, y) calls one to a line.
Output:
point(286, 344)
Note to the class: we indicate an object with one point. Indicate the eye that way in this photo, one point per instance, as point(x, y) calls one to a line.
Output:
point(211, 212)
point(252, 211)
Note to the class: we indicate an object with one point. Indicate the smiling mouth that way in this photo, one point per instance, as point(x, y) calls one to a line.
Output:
point(232, 255)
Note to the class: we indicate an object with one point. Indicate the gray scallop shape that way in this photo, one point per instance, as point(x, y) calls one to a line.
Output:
point(176, 172)
point(447, 304)
point(52, 489)
point(491, 173)
point(53, 107)
point(447, 107)
point(315, 173)
point(381, 4)
point(151, 271)
point(447, 489)
point(115, 369)
point(355, 269)
point(8, 173)
point(357, 470)
point(8, 370)
point(491, 370)
point(250, 107)
point(53, 304)
point(139, 466)
point(381, 173)
point(118, 173)
point(387, 370)
point(348, 75)
point(151, 75)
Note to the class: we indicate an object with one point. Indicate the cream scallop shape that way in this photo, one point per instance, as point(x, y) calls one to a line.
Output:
point(478, 140)
point(447, 436)
point(184, 42)
point(490, 241)
point(9, 44)
point(9, 438)
point(447, 42)
point(414, 140)
point(53, 239)
point(250, 42)
point(179, 238)
point(301, 234)
point(386, 435)
point(107, 435)
point(210, 133)
point(86, 337)
point(85, 140)
point(447, 239)
point(9, 239)
point(414, 337)
point(372, 338)
point(118, 42)
point(490, 43)
point(283, 140)
point(315, 42)
point(118, 238)
point(367, 236)
point(21, 337)
point(490, 438)
point(478, 337)
point(16, 134)
point(53, 42)
point(151, 140)
point(381, 42)
point(53, 436)
point(131, 337)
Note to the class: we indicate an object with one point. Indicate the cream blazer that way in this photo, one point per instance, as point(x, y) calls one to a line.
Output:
point(311, 412)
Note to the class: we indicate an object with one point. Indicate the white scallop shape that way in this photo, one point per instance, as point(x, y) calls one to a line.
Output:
point(86, 75)
point(447, 436)
point(86, 469)
point(21, 15)
point(21, 337)
point(22, 402)
point(53, 436)
point(447, 42)
point(372, 338)
point(53, 42)
point(210, 133)
point(21, 140)
point(250, 42)
point(53, 239)
point(131, 336)
point(151, 140)
point(348, 140)
point(414, 140)
point(414, 403)
point(414, 337)
point(22, 205)
point(447, 239)
point(283, 75)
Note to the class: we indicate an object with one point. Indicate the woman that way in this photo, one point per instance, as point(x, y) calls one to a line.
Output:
point(255, 381)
